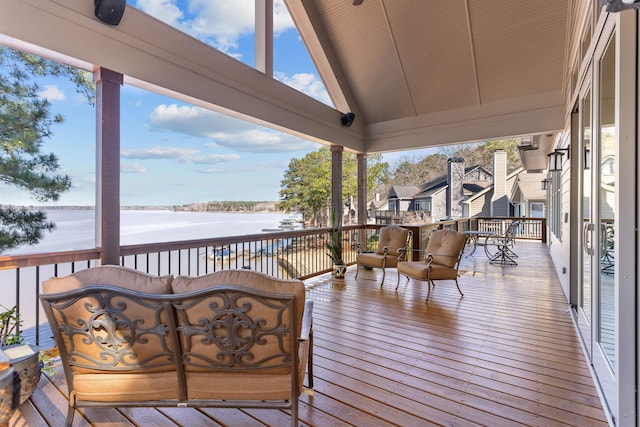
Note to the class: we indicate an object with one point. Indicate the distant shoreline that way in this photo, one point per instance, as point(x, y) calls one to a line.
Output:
point(223, 206)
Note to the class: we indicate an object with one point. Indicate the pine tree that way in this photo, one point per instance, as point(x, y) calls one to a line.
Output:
point(26, 121)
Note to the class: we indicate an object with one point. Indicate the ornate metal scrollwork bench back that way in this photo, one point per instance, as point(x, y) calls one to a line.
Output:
point(222, 345)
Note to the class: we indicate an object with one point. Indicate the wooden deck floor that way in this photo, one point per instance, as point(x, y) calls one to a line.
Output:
point(506, 354)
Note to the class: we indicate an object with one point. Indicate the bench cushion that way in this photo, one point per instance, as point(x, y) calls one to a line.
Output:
point(112, 275)
point(246, 278)
point(126, 387)
point(244, 385)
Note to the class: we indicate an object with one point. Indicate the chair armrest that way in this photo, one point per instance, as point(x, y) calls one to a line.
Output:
point(385, 250)
point(307, 320)
point(402, 254)
point(361, 247)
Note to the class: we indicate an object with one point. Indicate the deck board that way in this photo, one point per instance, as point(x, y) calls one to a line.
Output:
point(507, 353)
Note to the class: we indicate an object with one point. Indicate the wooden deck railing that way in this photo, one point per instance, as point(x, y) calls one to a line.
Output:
point(299, 253)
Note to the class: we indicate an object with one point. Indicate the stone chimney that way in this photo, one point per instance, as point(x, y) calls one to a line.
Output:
point(455, 192)
point(500, 198)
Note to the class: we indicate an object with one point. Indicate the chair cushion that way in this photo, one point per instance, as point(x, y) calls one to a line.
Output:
point(414, 269)
point(376, 260)
point(419, 270)
point(446, 245)
point(393, 237)
point(112, 275)
point(441, 272)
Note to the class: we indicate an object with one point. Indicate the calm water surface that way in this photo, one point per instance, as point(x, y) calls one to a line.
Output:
point(75, 229)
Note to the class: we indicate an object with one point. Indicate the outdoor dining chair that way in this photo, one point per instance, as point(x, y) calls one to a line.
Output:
point(392, 248)
point(499, 247)
point(441, 261)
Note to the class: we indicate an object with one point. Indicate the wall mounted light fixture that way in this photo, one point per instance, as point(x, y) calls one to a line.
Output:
point(544, 184)
point(555, 159)
point(587, 158)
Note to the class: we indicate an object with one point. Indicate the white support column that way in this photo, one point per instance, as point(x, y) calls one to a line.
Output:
point(108, 164)
point(264, 36)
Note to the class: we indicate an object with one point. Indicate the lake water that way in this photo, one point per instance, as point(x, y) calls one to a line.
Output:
point(75, 229)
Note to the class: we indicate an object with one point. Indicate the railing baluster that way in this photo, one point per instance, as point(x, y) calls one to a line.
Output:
point(302, 251)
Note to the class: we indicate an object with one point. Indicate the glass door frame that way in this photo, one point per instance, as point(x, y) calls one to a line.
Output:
point(617, 383)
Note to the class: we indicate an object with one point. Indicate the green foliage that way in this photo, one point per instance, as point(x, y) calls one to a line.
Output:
point(482, 153)
point(228, 206)
point(10, 323)
point(418, 172)
point(26, 121)
point(10, 334)
point(334, 247)
point(18, 226)
point(413, 171)
point(306, 185)
point(372, 242)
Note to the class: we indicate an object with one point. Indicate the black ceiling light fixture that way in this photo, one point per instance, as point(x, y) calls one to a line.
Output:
point(347, 119)
point(620, 5)
point(110, 11)
point(357, 2)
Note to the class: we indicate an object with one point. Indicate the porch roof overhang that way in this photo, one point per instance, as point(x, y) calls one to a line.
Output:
point(422, 73)
point(417, 74)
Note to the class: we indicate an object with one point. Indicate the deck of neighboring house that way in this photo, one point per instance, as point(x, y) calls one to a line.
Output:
point(506, 353)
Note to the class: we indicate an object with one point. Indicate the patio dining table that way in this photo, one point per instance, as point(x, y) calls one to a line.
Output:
point(474, 236)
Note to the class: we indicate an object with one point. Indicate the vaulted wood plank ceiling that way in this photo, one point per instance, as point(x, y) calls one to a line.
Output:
point(425, 72)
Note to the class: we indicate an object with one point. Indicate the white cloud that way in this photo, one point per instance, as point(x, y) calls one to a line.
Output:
point(214, 158)
point(224, 131)
point(194, 121)
point(219, 23)
point(182, 155)
point(159, 153)
point(263, 141)
point(281, 18)
point(132, 168)
point(164, 10)
point(307, 83)
point(52, 93)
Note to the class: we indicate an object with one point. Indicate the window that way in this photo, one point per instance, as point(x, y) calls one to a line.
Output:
point(536, 210)
point(423, 205)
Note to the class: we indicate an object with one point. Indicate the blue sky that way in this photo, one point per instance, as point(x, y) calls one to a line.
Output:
point(175, 153)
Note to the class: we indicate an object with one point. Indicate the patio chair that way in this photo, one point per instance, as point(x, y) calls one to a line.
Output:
point(392, 248)
point(499, 247)
point(441, 261)
point(607, 245)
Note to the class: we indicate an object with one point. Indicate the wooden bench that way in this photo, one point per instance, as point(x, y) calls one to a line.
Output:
point(234, 338)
